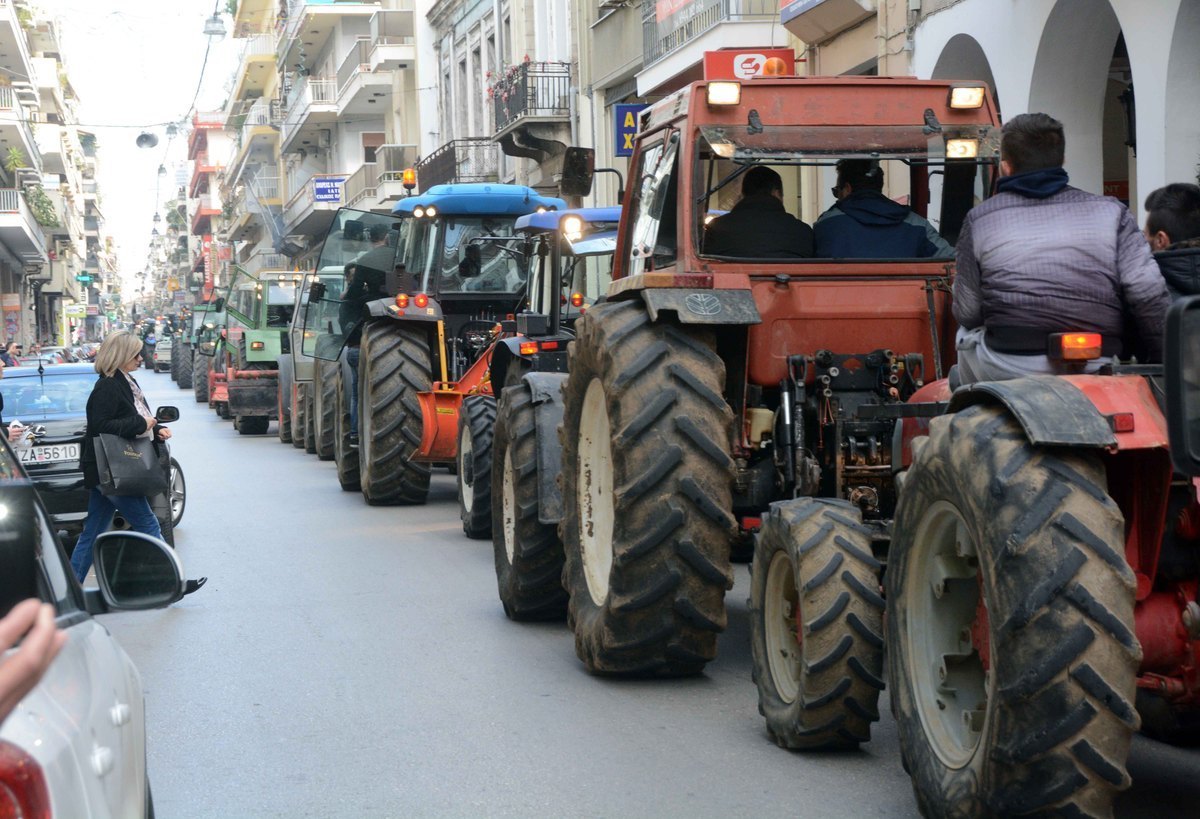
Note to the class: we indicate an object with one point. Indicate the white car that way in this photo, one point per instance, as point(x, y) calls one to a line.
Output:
point(76, 744)
point(162, 353)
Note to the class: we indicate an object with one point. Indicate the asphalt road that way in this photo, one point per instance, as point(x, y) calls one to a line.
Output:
point(350, 661)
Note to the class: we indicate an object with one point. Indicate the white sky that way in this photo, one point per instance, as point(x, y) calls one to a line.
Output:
point(137, 63)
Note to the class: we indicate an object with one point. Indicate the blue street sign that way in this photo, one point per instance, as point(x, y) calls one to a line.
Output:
point(328, 189)
point(625, 125)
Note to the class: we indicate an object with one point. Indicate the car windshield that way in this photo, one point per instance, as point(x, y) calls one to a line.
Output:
point(54, 393)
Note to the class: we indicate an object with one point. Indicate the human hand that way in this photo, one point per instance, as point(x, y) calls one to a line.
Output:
point(150, 422)
point(15, 432)
point(163, 433)
point(21, 671)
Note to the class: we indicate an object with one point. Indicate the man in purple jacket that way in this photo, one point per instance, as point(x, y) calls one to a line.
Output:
point(1042, 257)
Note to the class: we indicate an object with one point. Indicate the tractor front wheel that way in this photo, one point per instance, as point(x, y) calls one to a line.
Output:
point(201, 364)
point(324, 405)
point(186, 367)
point(816, 625)
point(1012, 659)
point(299, 415)
point(393, 367)
point(647, 493)
point(476, 421)
point(529, 554)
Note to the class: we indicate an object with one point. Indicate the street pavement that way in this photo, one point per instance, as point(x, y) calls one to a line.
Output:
point(354, 661)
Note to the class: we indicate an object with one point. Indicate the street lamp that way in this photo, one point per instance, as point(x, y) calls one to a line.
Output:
point(213, 27)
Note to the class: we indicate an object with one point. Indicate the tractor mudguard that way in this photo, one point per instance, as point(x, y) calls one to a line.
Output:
point(386, 308)
point(1050, 409)
point(505, 351)
point(703, 306)
point(546, 389)
point(252, 396)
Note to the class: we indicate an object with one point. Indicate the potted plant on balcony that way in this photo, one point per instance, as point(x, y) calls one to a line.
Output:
point(41, 206)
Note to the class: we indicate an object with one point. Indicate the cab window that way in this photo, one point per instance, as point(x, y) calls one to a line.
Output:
point(652, 242)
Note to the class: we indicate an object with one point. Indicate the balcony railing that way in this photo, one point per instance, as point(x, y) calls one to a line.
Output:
point(532, 90)
point(263, 186)
point(323, 188)
point(265, 261)
point(357, 61)
point(475, 159)
point(360, 185)
point(660, 38)
point(260, 45)
point(305, 94)
point(392, 160)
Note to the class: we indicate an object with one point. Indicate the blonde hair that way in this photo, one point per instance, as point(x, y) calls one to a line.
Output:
point(116, 351)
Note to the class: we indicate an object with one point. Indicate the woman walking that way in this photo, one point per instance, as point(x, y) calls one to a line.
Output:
point(118, 407)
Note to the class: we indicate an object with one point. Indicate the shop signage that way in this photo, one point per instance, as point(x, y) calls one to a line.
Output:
point(625, 126)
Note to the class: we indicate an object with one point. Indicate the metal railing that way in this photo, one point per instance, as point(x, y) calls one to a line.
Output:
point(532, 90)
point(474, 159)
point(306, 93)
point(694, 19)
point(260, 45)
point(263, 260)
point(392, 160)
point(360, 185)
point(263, 186)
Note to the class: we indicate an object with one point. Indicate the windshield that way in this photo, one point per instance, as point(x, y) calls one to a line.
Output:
point(52, 394)
point(921, 180)
point(455, 256)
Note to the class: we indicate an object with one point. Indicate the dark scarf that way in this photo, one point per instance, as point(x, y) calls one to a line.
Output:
point(1039, 184)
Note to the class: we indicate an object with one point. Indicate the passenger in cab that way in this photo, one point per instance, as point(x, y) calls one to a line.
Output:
point(1173, 230)
point(865, 224)
point(758, 227)
point(1041, 257)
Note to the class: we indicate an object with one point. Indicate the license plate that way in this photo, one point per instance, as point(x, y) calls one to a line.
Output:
point(49, 454)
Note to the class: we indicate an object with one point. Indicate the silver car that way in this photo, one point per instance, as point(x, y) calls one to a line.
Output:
point(76, 744)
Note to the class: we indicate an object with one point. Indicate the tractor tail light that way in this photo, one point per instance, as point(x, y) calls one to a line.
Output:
point(1075, 346)
point(577, 300)
point(1121, 421)
point(548, 345)
point(528, 348)
point(23, 790)
point(402, 301)
point(257, 345)
point(421, 300)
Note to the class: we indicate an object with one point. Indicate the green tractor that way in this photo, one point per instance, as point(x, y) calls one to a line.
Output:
point(201, 334)
point(259, 310)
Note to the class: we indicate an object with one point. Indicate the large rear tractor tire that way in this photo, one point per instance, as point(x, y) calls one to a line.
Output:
point(816, 625)
point(1012, 658)
point(201, 364)
point(324, 406)
point(299, 416)
point(476, 422)
point(529, 554)
point(345, 453)
point(283, 407)
point(310, 438)
point(393, 367)
point(176, 362)
point(647, 493)
point(186, 366)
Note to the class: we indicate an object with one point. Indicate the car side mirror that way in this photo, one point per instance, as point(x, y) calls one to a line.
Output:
point(1183, 384)
point(316, 291)
point(166, 415)
point(219, 304)
point(472, 262)
point(137, 571)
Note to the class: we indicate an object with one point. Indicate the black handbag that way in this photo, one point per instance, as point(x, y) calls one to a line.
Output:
point(129, 467)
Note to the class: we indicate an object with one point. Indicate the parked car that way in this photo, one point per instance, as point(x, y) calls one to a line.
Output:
point(162, 353)
point(76, 744)
point(52, 403)
point(63, 354)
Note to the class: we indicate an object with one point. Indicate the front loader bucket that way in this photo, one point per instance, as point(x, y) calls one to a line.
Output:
point(439, 415)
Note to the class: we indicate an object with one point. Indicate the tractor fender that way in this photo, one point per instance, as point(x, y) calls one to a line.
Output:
point(702, 306)
point(503, 353)
point(1050, 409)
point(387, 308)
point(546, 390)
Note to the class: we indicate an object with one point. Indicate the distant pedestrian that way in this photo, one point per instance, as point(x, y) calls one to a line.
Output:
point(117, 407)
point(8, 356)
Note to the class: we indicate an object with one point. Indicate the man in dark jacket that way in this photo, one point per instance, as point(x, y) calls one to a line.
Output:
point(758, 227)
point(1041, 257)
point(865, 224)
point(1173, 230)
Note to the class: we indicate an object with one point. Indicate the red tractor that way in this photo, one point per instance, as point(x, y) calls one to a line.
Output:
point(1042, 590)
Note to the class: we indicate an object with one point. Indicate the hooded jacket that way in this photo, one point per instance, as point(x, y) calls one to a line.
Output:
point(759, 227)
point(868, 225)
point(1180, 266)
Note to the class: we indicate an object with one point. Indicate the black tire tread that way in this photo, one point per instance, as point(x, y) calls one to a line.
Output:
point(345, 456)
point(478, 415)
point(324, 405)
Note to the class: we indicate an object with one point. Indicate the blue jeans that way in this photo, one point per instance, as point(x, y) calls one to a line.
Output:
point(352, 361)
point(101, 509)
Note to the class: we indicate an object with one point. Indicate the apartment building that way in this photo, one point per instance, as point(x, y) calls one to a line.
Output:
point(209, 144)
point(347, 82)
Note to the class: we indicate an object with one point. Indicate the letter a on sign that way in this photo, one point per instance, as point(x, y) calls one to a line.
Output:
point(625, 126)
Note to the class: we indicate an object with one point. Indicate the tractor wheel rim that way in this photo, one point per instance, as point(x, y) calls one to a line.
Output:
point(466, 475)
point(945, 670)
point(781, 627)
point(595, 482)
point(508, 499)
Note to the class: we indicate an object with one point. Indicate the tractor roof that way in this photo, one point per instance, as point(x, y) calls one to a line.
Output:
point(480, 198)
point(551, 219)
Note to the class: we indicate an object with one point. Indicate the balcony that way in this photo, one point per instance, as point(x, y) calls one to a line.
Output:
point(311, 208)
point(393, 39)
point(260, 261)
point(206, 208)
point(360, 91)
point(359, 190)
point(257, 65)
point(55, 157)
point(673, 48)
point(475, 159)
point(532, 103)
point(254, 204)
point(311, 106)
point(256, 138)
point(202, 123)
point(390, 163)
point(13, 43)
point(19, 231)
point(16, 133)
point(618, 36)
point(202, 169)
point(317, 20)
